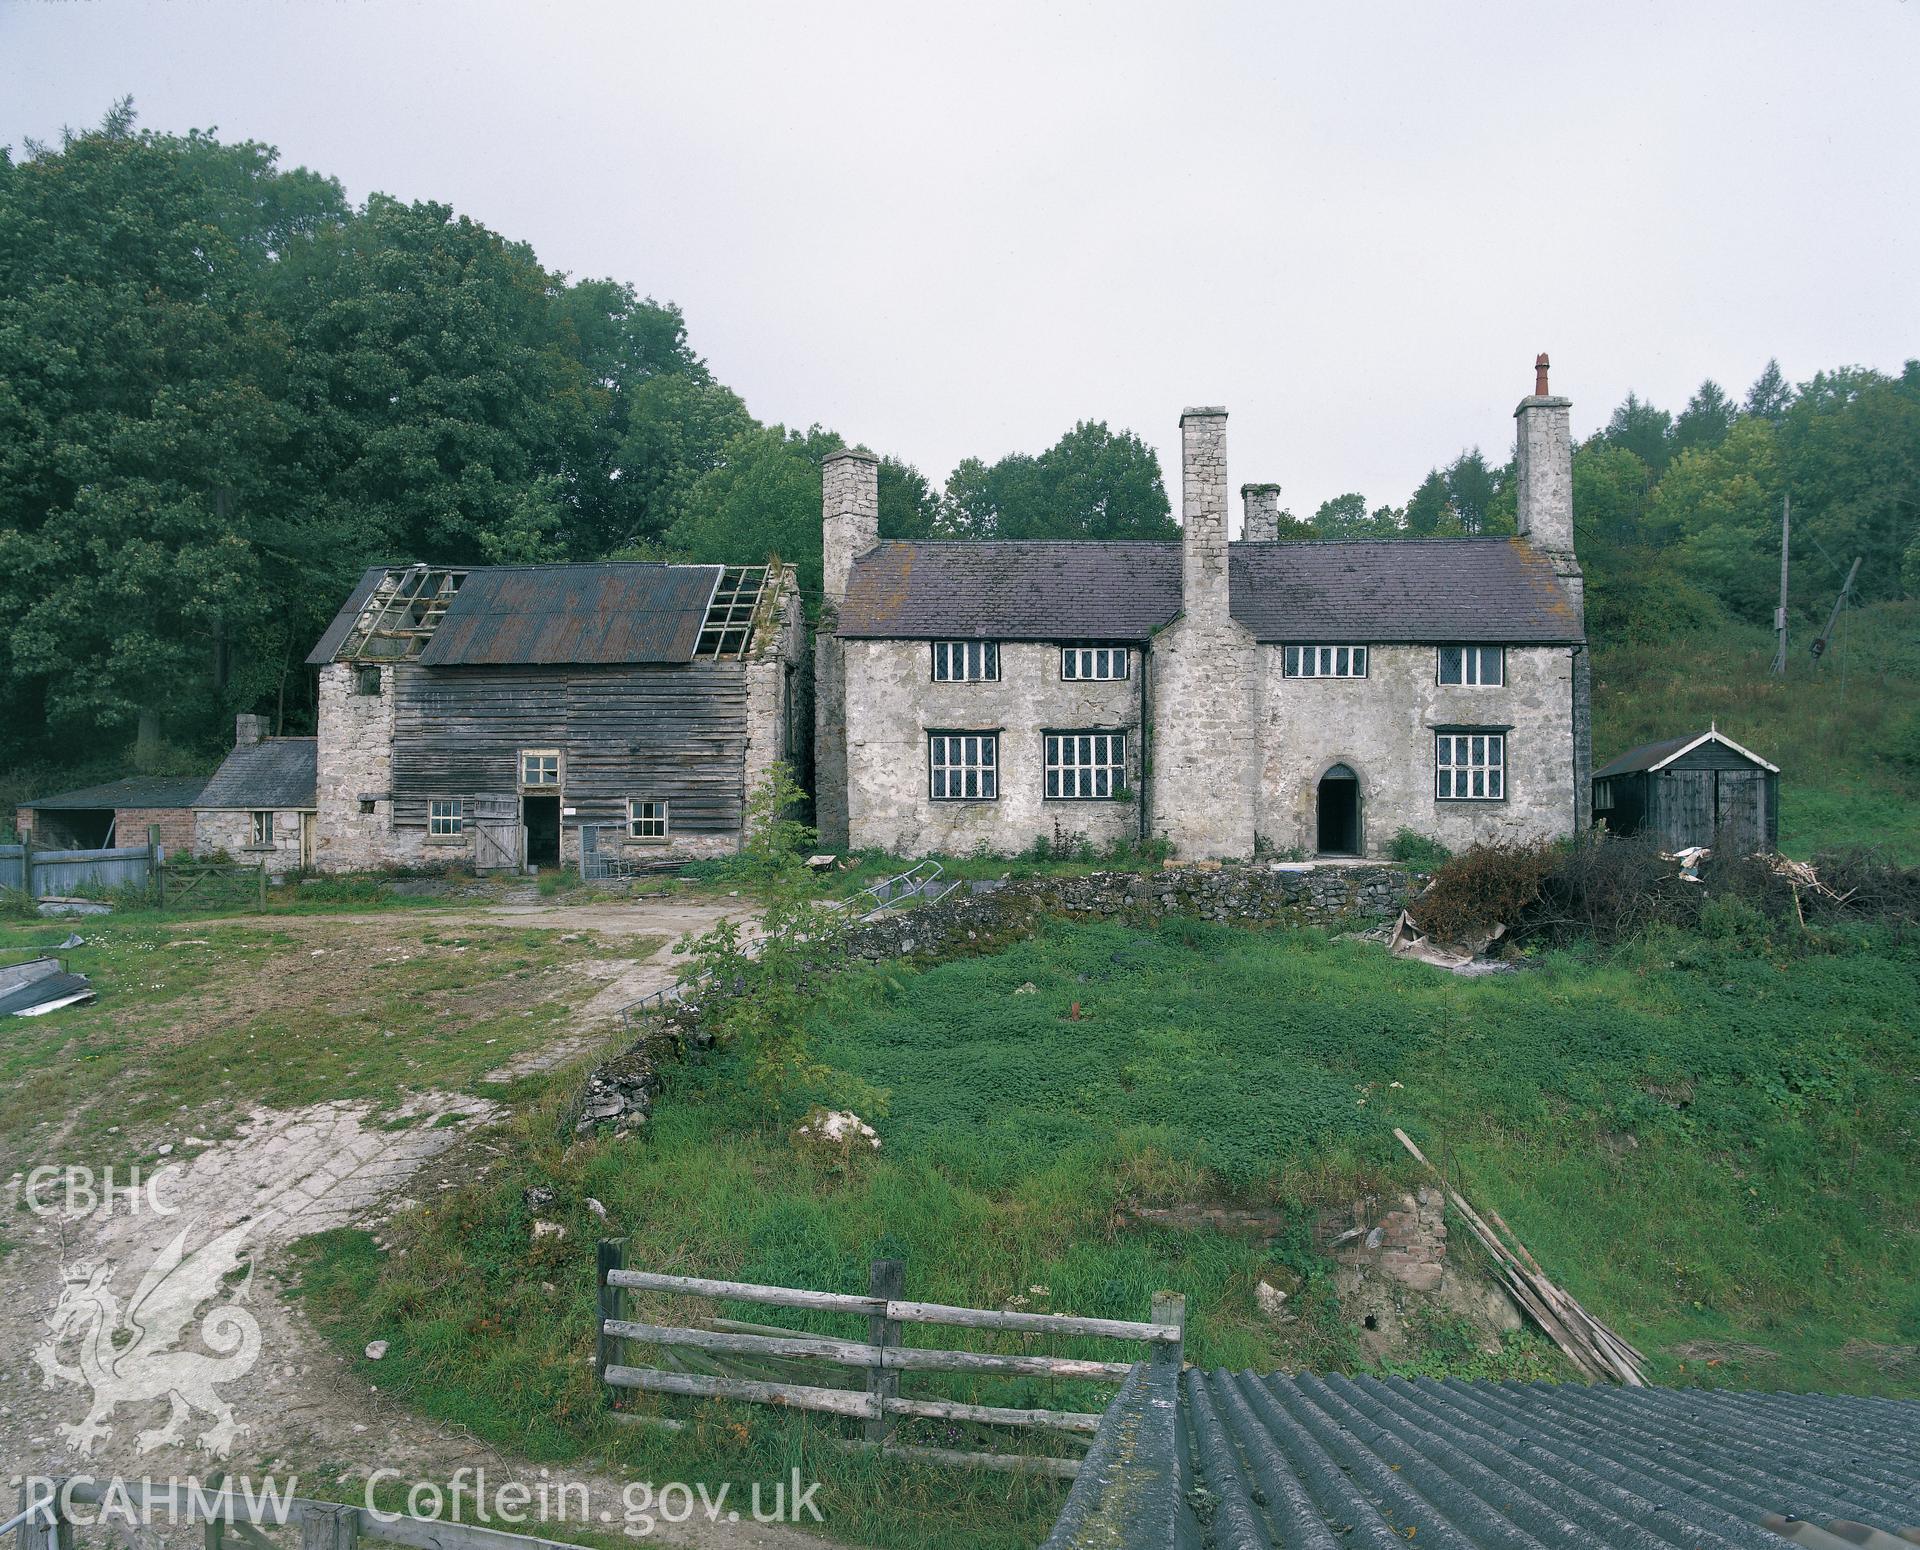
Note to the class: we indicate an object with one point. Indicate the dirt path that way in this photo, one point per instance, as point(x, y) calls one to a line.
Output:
point(232, 1339)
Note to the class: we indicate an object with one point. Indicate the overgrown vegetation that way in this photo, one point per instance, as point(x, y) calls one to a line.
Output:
point(1707, 1136)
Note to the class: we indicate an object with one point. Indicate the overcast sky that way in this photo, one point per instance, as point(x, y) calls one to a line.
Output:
point(954, 232)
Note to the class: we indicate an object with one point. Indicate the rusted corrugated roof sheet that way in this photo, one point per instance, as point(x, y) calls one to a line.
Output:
point(1325, 1463)
point(1495, 590)
point(277, 772)
point(134, 791)
point(563, 614)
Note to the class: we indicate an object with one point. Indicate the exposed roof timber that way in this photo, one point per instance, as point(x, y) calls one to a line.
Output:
point(400, 616)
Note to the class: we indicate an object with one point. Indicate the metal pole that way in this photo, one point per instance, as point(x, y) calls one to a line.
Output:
point(1780, 613)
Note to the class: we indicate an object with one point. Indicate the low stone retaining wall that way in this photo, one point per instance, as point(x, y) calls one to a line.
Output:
point(1255, 895)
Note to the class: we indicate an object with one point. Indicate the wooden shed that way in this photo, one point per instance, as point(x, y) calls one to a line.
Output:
point(1700, 789)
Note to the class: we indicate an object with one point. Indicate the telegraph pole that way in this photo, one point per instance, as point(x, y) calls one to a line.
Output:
point(1839, 603)
point(1780, 613)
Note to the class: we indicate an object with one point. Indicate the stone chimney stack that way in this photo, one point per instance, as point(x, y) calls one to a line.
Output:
point(849, 515)
point(249, 729)
point(1543, 467)
point(1203, 513)
point(1261, 505)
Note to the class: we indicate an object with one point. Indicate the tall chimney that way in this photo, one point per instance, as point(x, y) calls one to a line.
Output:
point(248, 729)
point(1261, 504)
point(1543, 467)
point(1203, 513)
point(849, 514)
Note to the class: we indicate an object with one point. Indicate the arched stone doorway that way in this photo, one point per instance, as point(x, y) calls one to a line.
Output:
point(1337, 804)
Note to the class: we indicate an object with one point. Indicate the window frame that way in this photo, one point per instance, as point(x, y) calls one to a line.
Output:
point(1479, 659)
point(1302, 660)
point(1114, 765)
point(556, 755)
point(260, 828)
point(1495, 771)
point(986, 770)
point(663, 835)
point(1096, 656)
point(941, 654)
point(455, 821)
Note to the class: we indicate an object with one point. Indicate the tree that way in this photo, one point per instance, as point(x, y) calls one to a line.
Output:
point(1345, 516)
point(1725, 506)
point(1704, 423)
point(1471, 490)
point(1771, 394)
point(1092, 483)
point(1643, 430)
point(1431, 507)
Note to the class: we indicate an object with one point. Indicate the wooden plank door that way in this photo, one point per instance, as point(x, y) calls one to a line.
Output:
point(1740, 811)
point(1686, 807)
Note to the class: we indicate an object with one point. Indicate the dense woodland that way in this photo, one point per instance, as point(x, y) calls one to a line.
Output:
point(225, 389)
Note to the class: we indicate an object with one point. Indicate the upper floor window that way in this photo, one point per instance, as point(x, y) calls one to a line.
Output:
point(540, 767)
point(963, 766)
point(646, 819)
point(366, 679)
point(1326, 662)
point(446, 815)
point(1474, 666)
point(1086, 766)
point(1470, 766)
point(1093, 661)
point(966, 661)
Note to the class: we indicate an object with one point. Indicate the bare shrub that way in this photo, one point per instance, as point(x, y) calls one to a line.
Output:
point(1486, 885)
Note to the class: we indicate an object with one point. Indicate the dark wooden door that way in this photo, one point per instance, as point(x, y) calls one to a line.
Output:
point(1740, 811)
point(1686, 807)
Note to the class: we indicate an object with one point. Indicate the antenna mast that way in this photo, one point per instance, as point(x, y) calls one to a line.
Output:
point(1780, 613)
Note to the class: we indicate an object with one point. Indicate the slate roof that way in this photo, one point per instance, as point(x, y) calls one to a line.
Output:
point(274, 773)
point(1651, 756)
point(507, 615)
point(133, 791)
point(1313, 1463)
point(1495, 590)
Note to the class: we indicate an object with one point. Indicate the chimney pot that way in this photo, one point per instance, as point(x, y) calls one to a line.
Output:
point(1540, 375)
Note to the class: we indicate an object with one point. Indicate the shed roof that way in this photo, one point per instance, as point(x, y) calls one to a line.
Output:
point(277, 772)
point(521, 615)
point(1325, 1462)
point(1657, 756)
point(1404, 589)
point(133, 791)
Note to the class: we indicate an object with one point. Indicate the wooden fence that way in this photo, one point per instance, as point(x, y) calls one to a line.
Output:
point(881, 1358)
point(232, 1520)
point(41, 873)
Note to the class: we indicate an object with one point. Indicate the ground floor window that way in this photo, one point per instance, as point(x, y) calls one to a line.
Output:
point(1086, 766)
point(646, 819)
point(260, 832)
point(964, 766)
point(1470, 766)
point(447, 815)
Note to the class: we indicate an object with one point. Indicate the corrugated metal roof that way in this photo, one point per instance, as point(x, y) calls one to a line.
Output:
point(1650, 756)
point(1319, 1463)
point(1403, 589)
point(276, 772)
point(133, 791)
point(552, 614)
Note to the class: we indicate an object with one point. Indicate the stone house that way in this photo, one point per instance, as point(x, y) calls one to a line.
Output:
point(492, 716)
point(1308, 698)
point(259, 805)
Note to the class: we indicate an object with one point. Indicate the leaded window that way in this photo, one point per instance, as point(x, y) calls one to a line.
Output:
point(1086, 766)
point(1470, 766)
point(963, 766)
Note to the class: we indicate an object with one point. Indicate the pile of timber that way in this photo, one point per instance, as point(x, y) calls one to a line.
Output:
point(1595, 1351)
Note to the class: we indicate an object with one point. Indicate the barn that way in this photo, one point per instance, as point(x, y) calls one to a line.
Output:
point(117, 813)
point(1700, 789)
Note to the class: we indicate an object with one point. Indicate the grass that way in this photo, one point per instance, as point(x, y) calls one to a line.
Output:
point(1845, 731)
point(194, 1024)
point(1707, 1138)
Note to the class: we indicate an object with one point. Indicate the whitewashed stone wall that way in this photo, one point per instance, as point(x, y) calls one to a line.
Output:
point(892, 704)
point(1382, 727)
